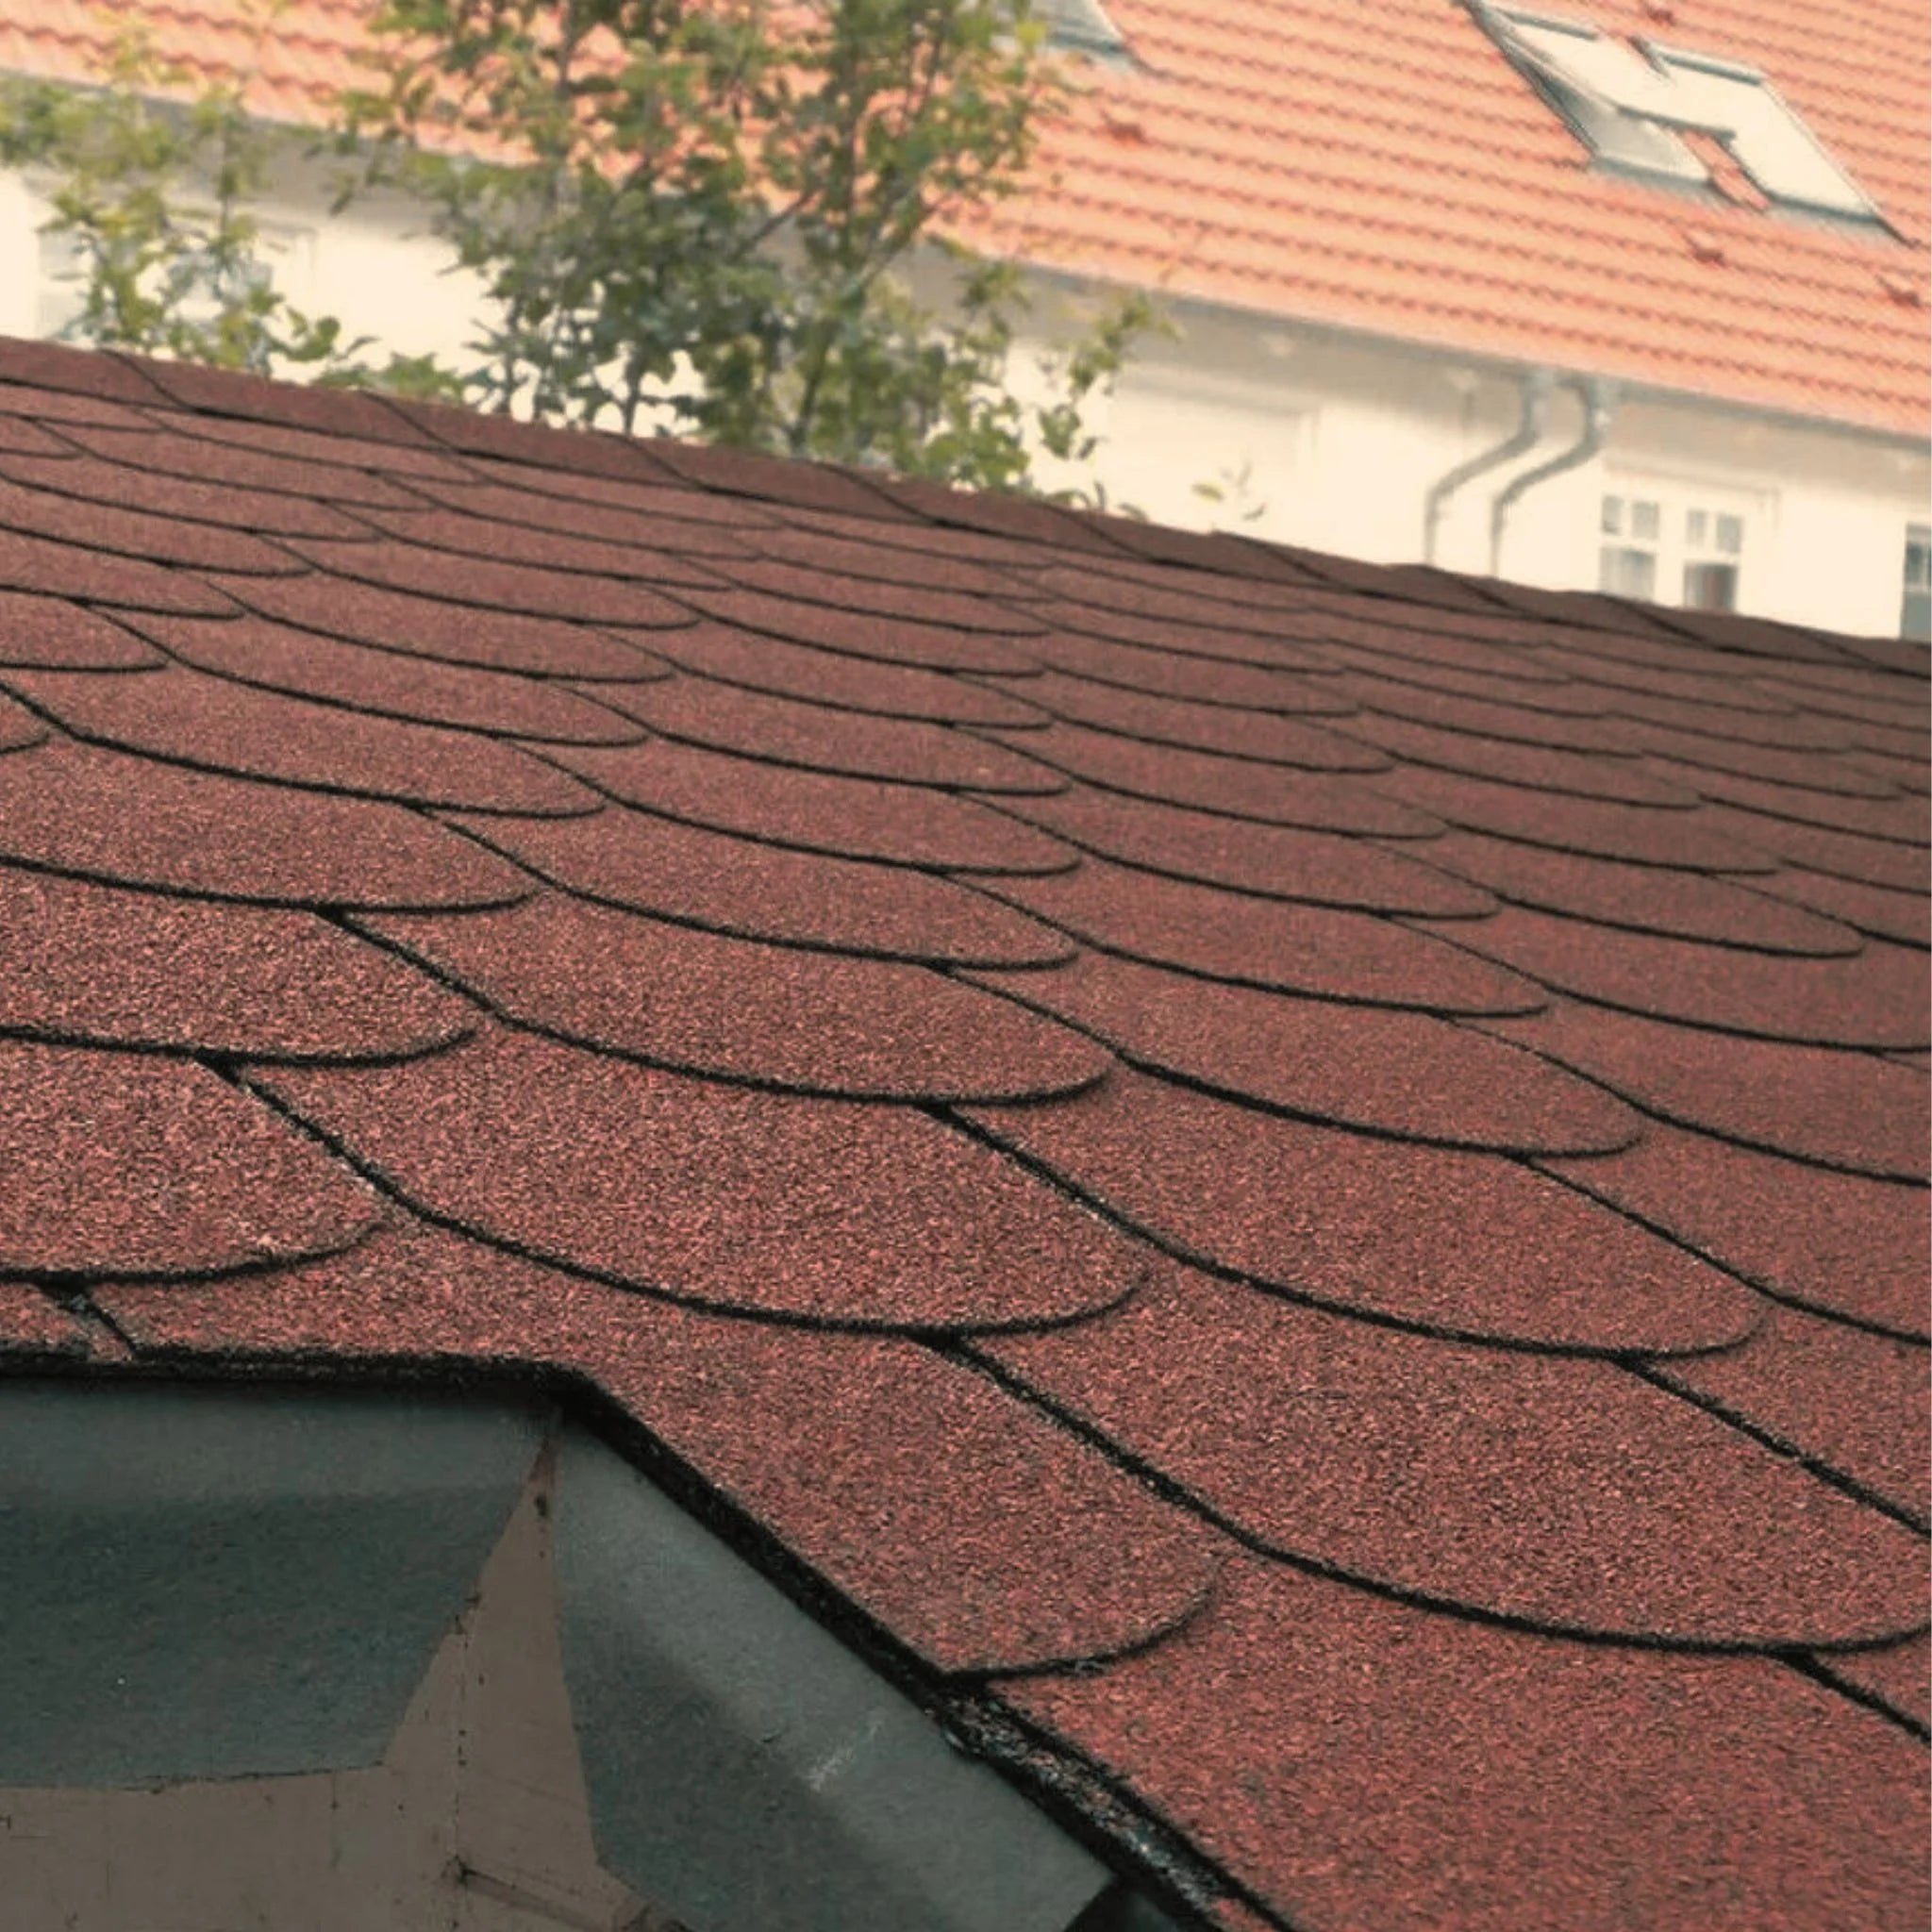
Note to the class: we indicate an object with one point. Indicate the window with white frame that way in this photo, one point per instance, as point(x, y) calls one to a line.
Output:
point(1915, 611)
point(1630, 111)
point(1663, 546)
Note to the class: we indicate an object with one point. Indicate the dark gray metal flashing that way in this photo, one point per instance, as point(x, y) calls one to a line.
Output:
point(216, 1583)
point(746, 1770)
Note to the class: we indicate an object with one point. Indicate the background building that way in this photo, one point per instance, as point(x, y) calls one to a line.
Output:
point(1628, 294)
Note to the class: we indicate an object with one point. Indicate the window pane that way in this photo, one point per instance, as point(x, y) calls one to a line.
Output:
point(1694, 523)
point(1915, 620)
point(1645, 522)
point(1710, 586)
point(1730, 535)
point(1627, 573)
point(1614, 516)
point(1918, 556)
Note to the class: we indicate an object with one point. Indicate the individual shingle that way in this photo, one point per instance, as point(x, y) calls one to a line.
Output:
point(1234, 788)
point(129, 486)
point(396, 456)
point(1876, 909)
point(216, 393)
point(645, 514)
point(499, 543)
point(1854, 1402)
point(1882, 862)
point(54, 635)
point(1840, 1242)
point(865, 633)
point(816, 738)
point(220, 725)
point(828, 1210)
point(73, 570)
point(121, 1163)
point(1272, 862)
point(137, 534)
point(1877, 997)
point(1564, 1493)
point(812, 1021)
point(1330, 952)
point(496, 586)
point(929, 605)
point(111, 816)
point(1840, 1110)
point(1390, 1072)
point(1895, 818)
point(846, 547)
point(818, 811)
point(1288, 693)
point(169, 454)
point(93, 963)
point(424, 627)
point(975, 1530)
point(1538, 768)
point(799, 670)
point(753, 891)
point(1266, 736)
point(1694, 839)
point(390, 684)
point(1643, 898)
point(1482, 1248)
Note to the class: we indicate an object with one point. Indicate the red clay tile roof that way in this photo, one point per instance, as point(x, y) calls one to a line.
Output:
point(1298, 1189)
point(1408, 182)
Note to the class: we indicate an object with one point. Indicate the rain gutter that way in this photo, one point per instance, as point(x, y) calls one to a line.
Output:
point(1598, 397)
point(1537, 387)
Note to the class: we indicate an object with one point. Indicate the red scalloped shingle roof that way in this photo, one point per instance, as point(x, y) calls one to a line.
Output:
point(1303, 1184)
point(1405, 180)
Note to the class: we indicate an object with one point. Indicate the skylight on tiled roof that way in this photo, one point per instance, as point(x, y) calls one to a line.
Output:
point(1630, 112)
point(1080, 26)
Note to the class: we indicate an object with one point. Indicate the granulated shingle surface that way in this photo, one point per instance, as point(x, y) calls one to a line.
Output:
point(1390, 1069)
point(1293, 948)
point(128, 1164)
point(852, 1214)
point(756, 890)
point(1840, 1243)
point(822, 1023)
point(221, 726)
point(818, 811)
point(388, 684)
point(1817, 1103)
point(1326, 1161)
point(1643, 898)
point(1560, 1493)
point(1364, 1763)
point(1449, 1240)
point(87, 962)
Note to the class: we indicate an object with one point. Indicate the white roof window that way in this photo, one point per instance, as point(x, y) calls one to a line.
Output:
point(1630, 111)
point(1741, 108)
point(1081, 26)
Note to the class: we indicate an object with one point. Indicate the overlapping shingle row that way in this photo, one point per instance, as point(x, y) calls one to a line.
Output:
point(1300, 1187)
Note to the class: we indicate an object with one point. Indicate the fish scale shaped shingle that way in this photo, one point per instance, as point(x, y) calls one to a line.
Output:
point(1304, 1185)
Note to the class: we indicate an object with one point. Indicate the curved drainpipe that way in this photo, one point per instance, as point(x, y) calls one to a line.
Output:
point(1537, 387)
point(1600, 403)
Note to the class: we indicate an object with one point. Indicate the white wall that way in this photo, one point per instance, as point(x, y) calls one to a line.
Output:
point(1316, 439)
